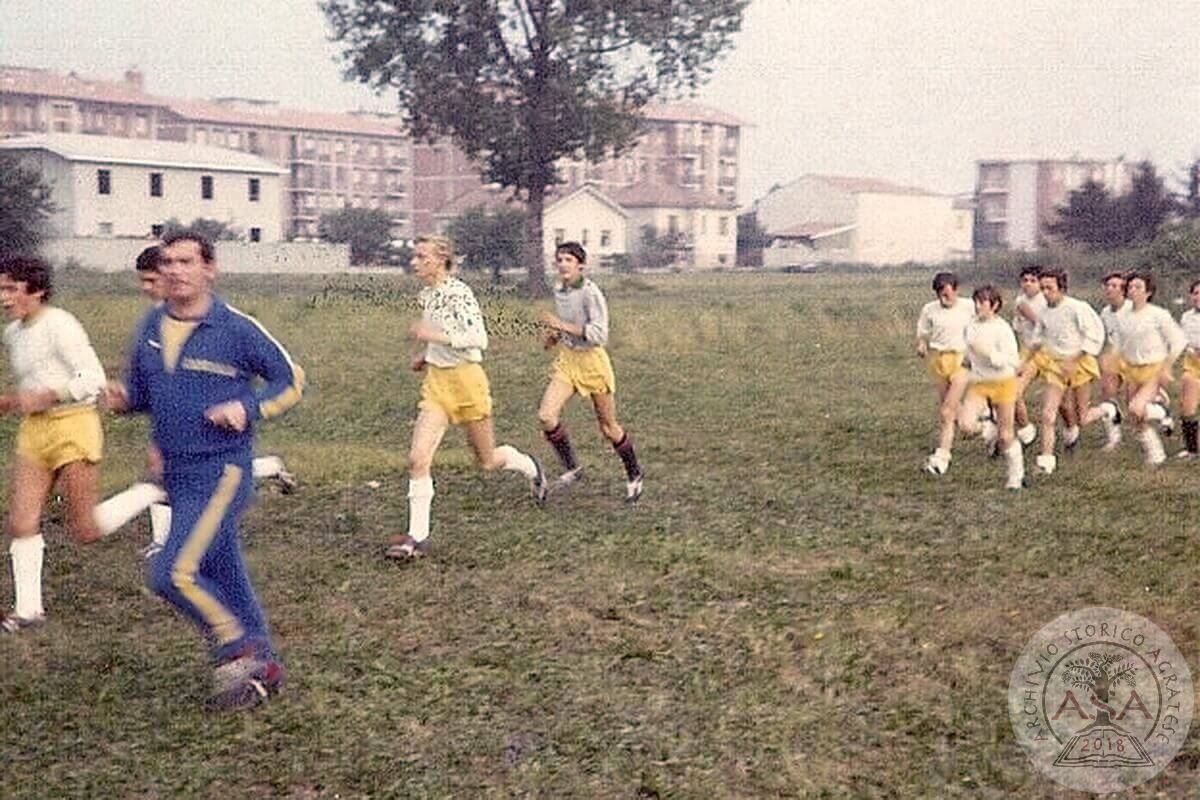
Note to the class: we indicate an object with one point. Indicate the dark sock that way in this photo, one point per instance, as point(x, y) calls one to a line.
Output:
point(624, 449)
point(561, 443)
point(1191, 434)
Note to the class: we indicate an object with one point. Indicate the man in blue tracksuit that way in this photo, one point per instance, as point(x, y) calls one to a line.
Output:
point(206, 373)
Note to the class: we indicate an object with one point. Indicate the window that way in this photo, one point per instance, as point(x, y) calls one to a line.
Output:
point(104, 228)
point(560, 236)
point(254, 190)
point(256, 234)
point(206, 187)
point(583, 239)
point(103, 181)
point(723, 224)
point(605, 238)
point(235, 140)
point(672, 224)
point(156, 184)
point(156, 231)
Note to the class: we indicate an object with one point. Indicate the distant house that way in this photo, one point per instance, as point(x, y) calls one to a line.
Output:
point(1019, 198)
point(862, 220)
point(585, 215)
point(121, 187)
point(702, 224)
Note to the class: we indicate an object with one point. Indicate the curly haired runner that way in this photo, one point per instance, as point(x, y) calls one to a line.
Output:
point(455, 390)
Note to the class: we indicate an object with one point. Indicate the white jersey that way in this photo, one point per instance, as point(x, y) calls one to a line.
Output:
point(992, 350)
point(1070, 328)
point(1112, 322)
point(1150, 335)
point(51, 351)
point(1025, 329)
point(1190, 324)
point(943, 327)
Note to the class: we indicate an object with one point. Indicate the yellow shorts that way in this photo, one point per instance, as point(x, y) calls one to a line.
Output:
point(1049, 369)
point(1191, 366)
point(944, 364)
point(588, 371)
point(54, 439)
point(1024, 353)
point(1111, 362)
point(1140, 374)
point(461, 392)
point(1000, 392)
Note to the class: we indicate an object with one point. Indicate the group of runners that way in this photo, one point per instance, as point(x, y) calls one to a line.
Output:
point(207, 374)
point(982, 366)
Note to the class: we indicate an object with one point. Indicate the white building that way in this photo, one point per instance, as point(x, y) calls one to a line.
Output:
point(862, 220)
point(1018, 198)
point(110, 186)
point(590, 217)
point(703, 224)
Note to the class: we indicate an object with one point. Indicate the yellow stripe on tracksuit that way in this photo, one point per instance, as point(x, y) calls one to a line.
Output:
point(223, 624)
point(281, 402)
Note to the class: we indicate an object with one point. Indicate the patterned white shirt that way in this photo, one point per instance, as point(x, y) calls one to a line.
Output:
point(51, 351)
point(451, 307)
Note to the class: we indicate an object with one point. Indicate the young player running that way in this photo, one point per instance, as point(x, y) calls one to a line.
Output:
point(994, 357)
point(1150, 342)
point(1115, 305)
point(940, 329)
point(579, 327)
point(1028, 310)
point(1190, 396)
point(454, 392)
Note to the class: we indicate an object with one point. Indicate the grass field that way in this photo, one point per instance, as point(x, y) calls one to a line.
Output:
point(794, 610)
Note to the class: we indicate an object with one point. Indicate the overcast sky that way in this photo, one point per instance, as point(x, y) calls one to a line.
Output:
point(912, 90)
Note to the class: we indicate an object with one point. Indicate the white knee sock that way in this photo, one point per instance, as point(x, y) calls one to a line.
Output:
point(160, 523)
point(1155, 412)
point(1014, 458)
point(420, 500)
point(27, 575)
point(124, 506)
point(266, 466)
point(517, 461)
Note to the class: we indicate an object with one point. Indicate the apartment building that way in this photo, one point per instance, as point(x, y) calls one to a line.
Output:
point(1017, 199)
point(330, 160)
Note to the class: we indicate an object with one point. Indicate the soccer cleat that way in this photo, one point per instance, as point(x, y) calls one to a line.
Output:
point(1046, 463)
point(1071, 437)
point(1026, 434)
point(568, 479)
point(151, 550)
point(14, 624)
point(245, 682)
point(1167, 426)
point(633, 490)
point(1015, 483)
point(537, 484)
point(286, 481)
point(937, 464)
point(406, 548)
point(1184, 455)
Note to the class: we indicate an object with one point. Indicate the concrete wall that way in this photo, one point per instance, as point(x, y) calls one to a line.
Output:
point(896, 228)
point(805, 199)
point(297, 258)
point(1023, 206)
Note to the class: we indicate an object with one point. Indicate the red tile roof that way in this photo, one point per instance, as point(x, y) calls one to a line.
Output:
point(653, 195)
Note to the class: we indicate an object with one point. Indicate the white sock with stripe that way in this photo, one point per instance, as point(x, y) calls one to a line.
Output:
point(420, 501)
point(517, 461)
point(160, 523)
point(124, 506)
point(27, 555)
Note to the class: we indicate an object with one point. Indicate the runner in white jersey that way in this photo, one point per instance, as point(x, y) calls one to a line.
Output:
point(994, 356)
point(1070, 336)
point(1190, 395)
point(1029, 307)
point(1115, 304)
point(940, 342)
point(1150, 342)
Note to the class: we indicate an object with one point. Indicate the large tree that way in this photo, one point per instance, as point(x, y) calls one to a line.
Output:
point(487, 240)
point(25, 207)
point(366, 230)
point(520, 84)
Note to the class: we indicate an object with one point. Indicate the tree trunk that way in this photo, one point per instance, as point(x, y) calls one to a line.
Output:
point(535, 259)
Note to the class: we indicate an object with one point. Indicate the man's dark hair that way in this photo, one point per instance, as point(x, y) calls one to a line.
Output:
point(1031, 269)
point(36, 274)
point(574, 249)
point(1059, 274)
point(944, 279)
point(150, 259)
point(206, 247)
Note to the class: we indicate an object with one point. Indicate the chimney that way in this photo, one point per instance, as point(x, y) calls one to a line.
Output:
point(135, 78)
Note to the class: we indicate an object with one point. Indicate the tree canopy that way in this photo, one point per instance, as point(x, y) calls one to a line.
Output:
point(366, 230)
point(1095, 218)
point(25, 207)
point(520, 84)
